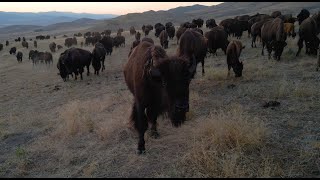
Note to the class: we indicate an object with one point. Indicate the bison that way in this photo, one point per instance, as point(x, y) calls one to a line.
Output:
point(35, 43)
point(137, 36)
point(68, 42)
point(233, 54)
point(164, 39)
point(217, 38)
point(159, 84)
point(52, 47)
point(73, 60)
point(107, 42)
point(289, 29)
point(273, 36)
point(13, 50)
point(132, 30)
point(171, 32)
point(308, 33)
point(256, 31)
point(179, 32)
point(211, 23)
point(198, 22)
point(191, 44)
point(98, 56)
point(304, 14)
point(159, 29)
point(25, 44)
point(1, 47)
point(19, 56)
point(7, 43)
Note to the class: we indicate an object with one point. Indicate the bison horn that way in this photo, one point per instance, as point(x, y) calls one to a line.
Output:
point(193, 66)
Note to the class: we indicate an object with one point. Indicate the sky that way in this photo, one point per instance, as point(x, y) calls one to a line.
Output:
point(118, 8)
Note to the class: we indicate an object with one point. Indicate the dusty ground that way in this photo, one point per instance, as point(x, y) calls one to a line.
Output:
point(51, 128)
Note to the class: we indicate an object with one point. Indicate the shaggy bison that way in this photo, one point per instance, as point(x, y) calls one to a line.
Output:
point(198, 22)
point(159, 84)
point(107, 42)
point(52, 47)
point(233, 54)
point(25, 44)
point(273, 36)
point(289, 29)
point(171, 31)
point(73, 60)
point(13, 50)
point(211, 23)
point(217, 38)
point(164, 39)
point(304, 14)
point(192, 44)
point(19, 56)
point(256, 31)
point(98, 56)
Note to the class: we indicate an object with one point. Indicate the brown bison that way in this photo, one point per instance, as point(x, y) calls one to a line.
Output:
point(25, 44)
point(74, 60)
point(289, 29)
point(147, 39)
point(119, 41)
point(68, 42)
point(217, 38)
point(275, 14)
point(304, 14)
point(146, 31)
point(107, 42)
point(273, 36)
point(59, 47)
point(1, 47)
point(198, 22)
point(171, 31)
point(179, 32)
point(137, 36)
point(52, 47)
point(308, 33)
point(164, 39)
point(7, 43)
point(35, 43)
point(19, 56)
point(134, 44)
point(159, 84)
point(256, 18)
point(211, 23)
point(233, 54)
point(98, 56)
point(132, 30)
point(159, 29)
point(256, 31)
point(191, 44)
point(13, 50)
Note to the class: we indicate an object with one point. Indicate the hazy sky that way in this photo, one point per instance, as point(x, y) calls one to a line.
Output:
point(119, 8)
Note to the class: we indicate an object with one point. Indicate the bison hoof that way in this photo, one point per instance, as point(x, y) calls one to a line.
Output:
point(139, 152)
point(155, 134)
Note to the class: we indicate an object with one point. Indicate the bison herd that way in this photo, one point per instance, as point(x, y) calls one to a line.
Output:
point(160, 82)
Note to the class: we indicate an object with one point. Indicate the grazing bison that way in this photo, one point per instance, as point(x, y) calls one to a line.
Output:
point(191, 44)
point(7, 43)
point(25, 44)
point(13, 50)
point(107, 42)
point(198, 22)
point(171, 32)
point(233, 54)
point(52, 47)
point(164, 39)
point(98, 56)
point(159, 84)
point(211, 23)
point(256, 31)
point(42, 57)
point(35, 43)
point(273, 36)
point(179, 32)
point(308, 33)
point(132, 30)
point(148, 40)
point(275, 14)
point(217, 38)
point(1, 47)
point(304, 14)
point(19, 56)
point(289, 29)
point(59, 47)
point(73, 60)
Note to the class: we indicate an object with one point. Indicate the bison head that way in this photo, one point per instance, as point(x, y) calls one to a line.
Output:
point(175, 74)
point(63, 66)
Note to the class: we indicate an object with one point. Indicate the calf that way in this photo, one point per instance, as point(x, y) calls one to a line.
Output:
point(233, 53)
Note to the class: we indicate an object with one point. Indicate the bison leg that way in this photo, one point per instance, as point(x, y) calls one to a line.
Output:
point(202, 63)
point(269, 48)
point(262, 52)
point(300, 45)
point(152, 118)
point(229, 67)
point(141, 124)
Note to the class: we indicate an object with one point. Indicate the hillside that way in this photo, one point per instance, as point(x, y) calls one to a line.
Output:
point(218, 12)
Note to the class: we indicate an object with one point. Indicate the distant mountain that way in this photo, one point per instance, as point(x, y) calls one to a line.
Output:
point(45, 18)
point(218, 12)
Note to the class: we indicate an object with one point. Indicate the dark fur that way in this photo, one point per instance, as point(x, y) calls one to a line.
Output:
point(217, 38)
point(233, 53)
point(164, 39)
point(52, 47)
point(19, 56)
point(98, 57)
